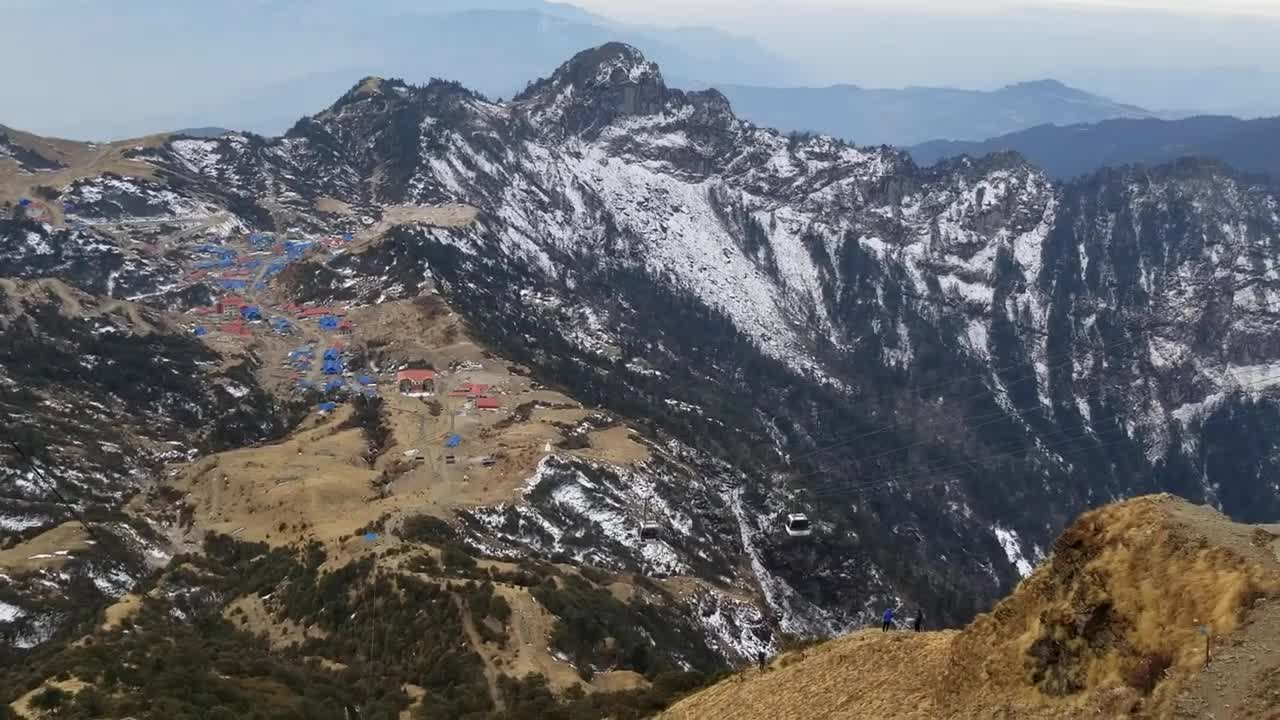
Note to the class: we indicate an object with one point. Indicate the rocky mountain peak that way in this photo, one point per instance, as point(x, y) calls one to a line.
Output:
point(595, 87)
point(739, 295)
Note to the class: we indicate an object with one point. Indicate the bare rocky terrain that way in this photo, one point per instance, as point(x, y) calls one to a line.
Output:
point(638, 311)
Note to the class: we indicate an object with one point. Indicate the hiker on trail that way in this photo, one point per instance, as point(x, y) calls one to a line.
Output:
point(888, 620)
point(760, 658)
point(919, 621)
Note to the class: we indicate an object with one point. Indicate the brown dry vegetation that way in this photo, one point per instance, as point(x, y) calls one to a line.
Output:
point(449, 215)
point(82, 160)
point(315, 484)
point(24, 707)
point(48, 550)
point(250, 613)
point(1109, 626)
point(868, 674)
point(123, 609)
point(73, 303)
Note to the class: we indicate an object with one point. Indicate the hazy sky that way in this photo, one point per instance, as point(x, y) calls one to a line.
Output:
point(720, 11)
point(111, 68)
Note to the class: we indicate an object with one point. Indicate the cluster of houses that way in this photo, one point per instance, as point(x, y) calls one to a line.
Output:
point(236, 313)
point(421, 383)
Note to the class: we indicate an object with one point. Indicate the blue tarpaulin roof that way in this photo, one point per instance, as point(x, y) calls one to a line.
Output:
point(371, 536)
point(328, 406)
point(453, 441)
point(364, 380)
point(212, 264)
point(331, 354)
point(333, 385)
point(199, 331)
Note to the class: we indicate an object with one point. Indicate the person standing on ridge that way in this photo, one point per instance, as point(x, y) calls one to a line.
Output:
point(919, 621)
point(760, 658)
point(888, 620)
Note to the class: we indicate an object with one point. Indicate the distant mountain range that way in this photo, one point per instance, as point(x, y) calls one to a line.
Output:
point(919, 114)
point(1065, 152)
point(202, 132)
point(317, 46)
point(1239, 92)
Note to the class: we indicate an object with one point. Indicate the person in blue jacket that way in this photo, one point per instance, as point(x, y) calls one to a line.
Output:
point(888, 620)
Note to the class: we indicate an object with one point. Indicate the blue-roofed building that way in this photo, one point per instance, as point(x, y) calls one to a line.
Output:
point(260, 240)
point(296, 248)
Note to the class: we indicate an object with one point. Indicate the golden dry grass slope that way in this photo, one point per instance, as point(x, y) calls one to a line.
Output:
point(78, 160)
point(1112, 625)
point(316, 484)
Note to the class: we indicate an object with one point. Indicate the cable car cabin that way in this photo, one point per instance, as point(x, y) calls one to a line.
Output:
point(798, 525)
point(649, 531)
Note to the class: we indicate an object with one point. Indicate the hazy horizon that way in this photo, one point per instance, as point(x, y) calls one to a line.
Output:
point(141, 66)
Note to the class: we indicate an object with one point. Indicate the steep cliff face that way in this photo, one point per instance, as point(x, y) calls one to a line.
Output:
point(939, 366)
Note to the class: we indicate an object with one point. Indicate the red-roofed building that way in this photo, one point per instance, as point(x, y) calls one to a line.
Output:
point(315, 312)
point(487, 403)
point(236, 328)
point(416, 382)
point(345, 327)
point(230, 306)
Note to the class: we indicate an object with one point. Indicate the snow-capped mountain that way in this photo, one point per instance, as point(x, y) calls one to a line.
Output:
point(939, 366)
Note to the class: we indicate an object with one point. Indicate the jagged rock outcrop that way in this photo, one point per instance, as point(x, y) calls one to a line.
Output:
point(940, 366)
